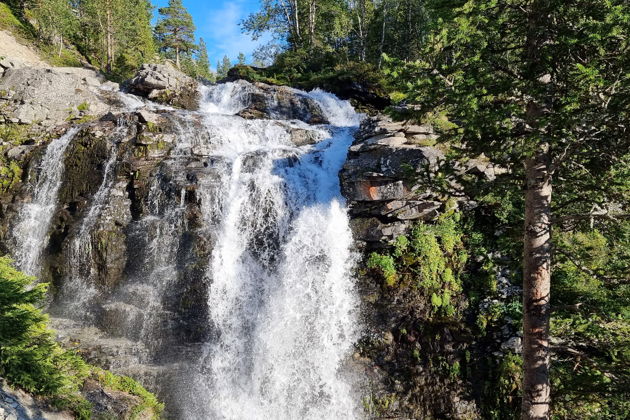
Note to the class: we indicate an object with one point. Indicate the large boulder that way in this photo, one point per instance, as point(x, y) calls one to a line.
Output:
point(279, 102)
point(165, 84)
point(51, 96)
point(365, 94)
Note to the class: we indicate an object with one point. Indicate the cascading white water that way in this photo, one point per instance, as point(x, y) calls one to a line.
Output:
point(78, 288)
point(35, 217)
point(282, 301)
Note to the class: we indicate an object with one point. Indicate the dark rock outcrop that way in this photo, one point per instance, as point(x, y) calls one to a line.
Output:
point(165, 84)
point(382, 178)
point(365, 95)
point(412, 359)
point(280, 102)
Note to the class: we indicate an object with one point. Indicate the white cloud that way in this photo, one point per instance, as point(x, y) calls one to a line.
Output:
point(224, 36)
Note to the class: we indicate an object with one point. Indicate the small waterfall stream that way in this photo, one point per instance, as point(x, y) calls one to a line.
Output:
point(78, 288)
point(35, 217)
point(281, 305)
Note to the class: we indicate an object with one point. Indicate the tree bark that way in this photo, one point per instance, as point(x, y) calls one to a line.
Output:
point(110, 40)
point(537, 287)
point(312, 19)
point(382, 44)
point(296, 21)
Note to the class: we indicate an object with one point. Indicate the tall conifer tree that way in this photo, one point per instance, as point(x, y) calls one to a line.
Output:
point(203, 61)
point(176, 30)
point(542, 89)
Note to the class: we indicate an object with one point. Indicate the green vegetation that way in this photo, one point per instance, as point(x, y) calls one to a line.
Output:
point(10, 175)
point(31, 359)
point(431, 259)
point(202, 63)
point(114, 35)
point(175, 31)
point(84, 106)
point(224, 66)
point(592, 321)
point(522, 84)
point(378, 406)
point(129, 385)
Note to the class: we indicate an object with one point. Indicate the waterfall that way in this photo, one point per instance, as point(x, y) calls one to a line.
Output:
point(35, 218)
point(269, 242)
point(282, 302)
point(78, 288)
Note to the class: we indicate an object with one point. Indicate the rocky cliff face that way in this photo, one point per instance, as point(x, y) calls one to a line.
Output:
point(137, 216)
point(384, 181)
point(380, 179)
point(119, 204)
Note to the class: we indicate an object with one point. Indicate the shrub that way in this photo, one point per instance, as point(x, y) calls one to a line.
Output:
point(431, 258)
point(31, 359)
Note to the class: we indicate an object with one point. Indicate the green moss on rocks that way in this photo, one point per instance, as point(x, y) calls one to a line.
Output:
point(10, 175)
point(432, 259)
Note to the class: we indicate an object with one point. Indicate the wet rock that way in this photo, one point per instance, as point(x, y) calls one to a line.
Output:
point(165, 84)
point(364, 94)
point(19, 405)
point(303, 137)
point(107, 403)
point(280, 102)
point(19, 152)
point(148, 117)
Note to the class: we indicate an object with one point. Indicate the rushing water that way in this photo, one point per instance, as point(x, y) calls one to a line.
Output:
point(281, 303)
point(78, 288)
point(31, 232)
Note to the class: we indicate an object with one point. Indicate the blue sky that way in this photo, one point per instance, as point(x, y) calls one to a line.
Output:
point(217, 23)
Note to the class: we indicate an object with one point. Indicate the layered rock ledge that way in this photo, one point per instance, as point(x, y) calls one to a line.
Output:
point(380, 178)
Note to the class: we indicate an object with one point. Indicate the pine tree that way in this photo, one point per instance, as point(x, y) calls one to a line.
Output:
point(542, 90)
point(176, 30)
point(241, 58)
point(55, 20)
point(224, 67)
point(203, 61)
point(137, 44)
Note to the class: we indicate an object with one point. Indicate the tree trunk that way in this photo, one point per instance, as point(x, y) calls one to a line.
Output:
point(361, 18)
point(110, 40)
point(312, 19)
point(382, 46)
point(536, 287)
point(177, 58)
point(296, 21)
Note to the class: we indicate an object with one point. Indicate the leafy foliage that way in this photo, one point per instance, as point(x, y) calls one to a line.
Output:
point(432, 259)
point(540, 78)
point(31, 359)
point(114, 35)
point(592, 323)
